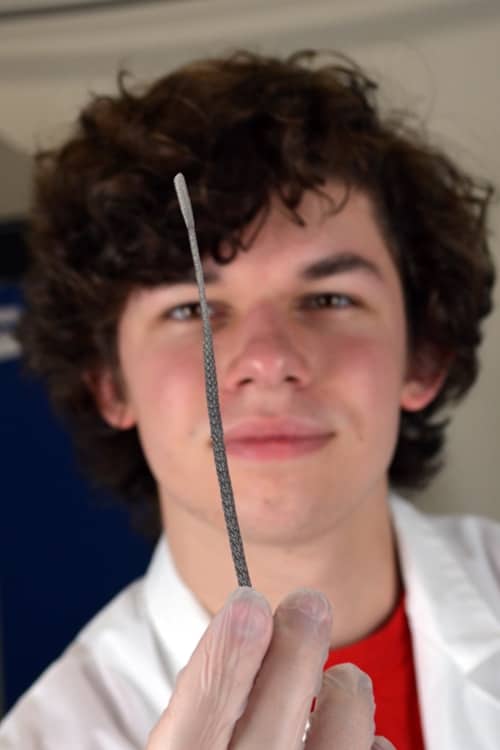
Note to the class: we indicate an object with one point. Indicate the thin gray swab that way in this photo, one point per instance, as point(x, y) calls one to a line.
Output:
point(212, 394)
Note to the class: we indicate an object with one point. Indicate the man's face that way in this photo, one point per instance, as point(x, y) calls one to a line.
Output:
point(311, 350)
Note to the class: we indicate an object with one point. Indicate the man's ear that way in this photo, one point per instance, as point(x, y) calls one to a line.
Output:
point(428, 369)
point(110, 401)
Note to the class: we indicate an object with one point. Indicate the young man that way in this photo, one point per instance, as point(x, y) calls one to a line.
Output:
point(347, 272)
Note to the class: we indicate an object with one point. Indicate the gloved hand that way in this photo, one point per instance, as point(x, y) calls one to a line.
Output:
point(250, 682)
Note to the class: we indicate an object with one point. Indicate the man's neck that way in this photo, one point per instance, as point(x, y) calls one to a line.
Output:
point(354, 564)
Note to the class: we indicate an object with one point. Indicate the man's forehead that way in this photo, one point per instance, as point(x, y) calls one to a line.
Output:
point(327, 264)
point(334, 238)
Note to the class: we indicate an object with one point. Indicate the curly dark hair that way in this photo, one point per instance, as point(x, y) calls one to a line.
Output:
point(241, 128)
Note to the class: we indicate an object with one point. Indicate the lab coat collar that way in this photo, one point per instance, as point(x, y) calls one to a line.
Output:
point(442, 602)
point(455, 631)
point(178, 618)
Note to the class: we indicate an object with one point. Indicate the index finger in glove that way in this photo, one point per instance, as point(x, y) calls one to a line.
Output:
point(212, 690)
point(280, 702)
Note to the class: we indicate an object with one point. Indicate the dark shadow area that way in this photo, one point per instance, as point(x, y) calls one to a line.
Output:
point(65, 548)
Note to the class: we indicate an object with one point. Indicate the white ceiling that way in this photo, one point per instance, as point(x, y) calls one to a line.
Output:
point(38, 6)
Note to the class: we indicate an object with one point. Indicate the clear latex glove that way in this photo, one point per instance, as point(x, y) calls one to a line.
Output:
point(250, 683)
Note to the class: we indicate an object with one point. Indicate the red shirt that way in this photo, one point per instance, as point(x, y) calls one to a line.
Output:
point(386, 655)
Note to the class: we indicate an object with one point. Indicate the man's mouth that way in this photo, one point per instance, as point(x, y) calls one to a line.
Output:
point(267, 439)
point(272, 448)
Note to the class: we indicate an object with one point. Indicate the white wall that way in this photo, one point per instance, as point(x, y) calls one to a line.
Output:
point(440, 57)
point(15, 175)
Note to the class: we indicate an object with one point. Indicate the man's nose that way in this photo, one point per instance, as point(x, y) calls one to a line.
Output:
point(268, 352)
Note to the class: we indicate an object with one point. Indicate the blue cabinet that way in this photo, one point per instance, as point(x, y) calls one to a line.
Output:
point(65, 548)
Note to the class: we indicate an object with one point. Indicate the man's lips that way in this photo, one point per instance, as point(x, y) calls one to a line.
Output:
point(265, 428)
point(271, 439)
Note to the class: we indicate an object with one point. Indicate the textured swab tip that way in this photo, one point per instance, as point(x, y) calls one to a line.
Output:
point(184, 201)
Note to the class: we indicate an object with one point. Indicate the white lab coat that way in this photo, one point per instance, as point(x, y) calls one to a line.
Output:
point(108, 689)
point(451, 570)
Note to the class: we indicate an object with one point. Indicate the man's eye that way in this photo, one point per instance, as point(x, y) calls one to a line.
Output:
point(188, 311)
point(329, 300)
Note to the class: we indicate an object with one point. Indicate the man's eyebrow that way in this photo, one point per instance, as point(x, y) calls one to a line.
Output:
point(329, 266)
point(339, 263)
